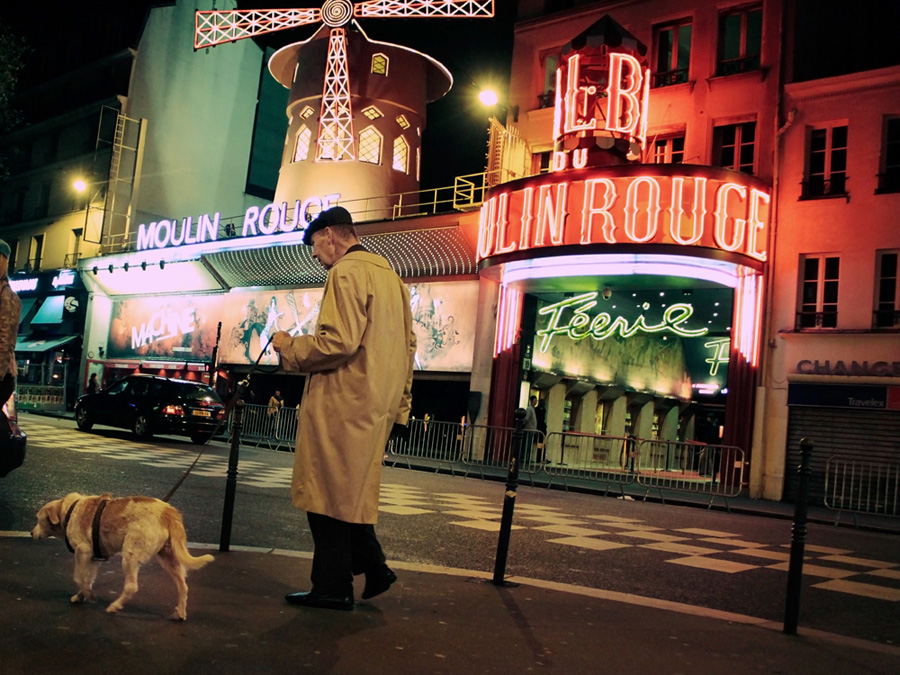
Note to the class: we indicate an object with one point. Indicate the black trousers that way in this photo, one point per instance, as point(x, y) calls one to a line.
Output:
point(341, 550)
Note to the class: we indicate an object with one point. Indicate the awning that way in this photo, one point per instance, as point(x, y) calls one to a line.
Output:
point(42, 344)
point(51, 311)
point(27, 304)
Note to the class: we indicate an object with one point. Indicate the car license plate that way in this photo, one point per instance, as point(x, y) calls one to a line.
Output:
point(201, 413)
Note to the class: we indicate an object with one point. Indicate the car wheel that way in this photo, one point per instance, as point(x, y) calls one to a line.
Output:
point(142, 427)
point(200, 437)
point(83, 419)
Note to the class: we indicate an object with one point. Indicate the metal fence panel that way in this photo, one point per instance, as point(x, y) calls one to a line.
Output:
point(490, 448)
point(609, 460)
point(434, 443)
point(857, 486)
point(714, 470)
point(277, 429)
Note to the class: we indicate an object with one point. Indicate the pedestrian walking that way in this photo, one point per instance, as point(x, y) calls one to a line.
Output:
point(359, 362)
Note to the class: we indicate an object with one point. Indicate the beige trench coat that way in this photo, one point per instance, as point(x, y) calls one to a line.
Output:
point(360, 360)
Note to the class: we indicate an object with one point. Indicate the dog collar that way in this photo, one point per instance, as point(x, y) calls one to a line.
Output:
point(95, 531)
point(66, 526)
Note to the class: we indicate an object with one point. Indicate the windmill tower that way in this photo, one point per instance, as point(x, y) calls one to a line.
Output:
point(356, 107)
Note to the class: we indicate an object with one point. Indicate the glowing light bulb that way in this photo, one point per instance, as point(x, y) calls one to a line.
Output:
point(488, 97)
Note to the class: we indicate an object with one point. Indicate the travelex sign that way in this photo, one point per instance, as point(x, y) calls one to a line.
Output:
point(270, 219)
point(645, 204)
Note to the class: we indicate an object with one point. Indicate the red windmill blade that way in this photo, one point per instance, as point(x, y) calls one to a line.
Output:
point(335, 141)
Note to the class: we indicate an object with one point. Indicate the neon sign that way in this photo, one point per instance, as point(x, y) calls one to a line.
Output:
point(720, 348)
point(583, 109)
point(601, 326)
point(629, 205)
point(269, 219)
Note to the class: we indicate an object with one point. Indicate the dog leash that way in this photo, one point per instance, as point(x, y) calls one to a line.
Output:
point(238, 394)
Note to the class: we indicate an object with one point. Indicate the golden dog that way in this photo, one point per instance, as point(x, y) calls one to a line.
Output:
point(136, 527)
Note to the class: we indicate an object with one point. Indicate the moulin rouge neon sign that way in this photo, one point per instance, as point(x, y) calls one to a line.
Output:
point(652, 204)
point(570, 317)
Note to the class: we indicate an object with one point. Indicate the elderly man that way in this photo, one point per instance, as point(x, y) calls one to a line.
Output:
point(10, 315)
point(359, 362)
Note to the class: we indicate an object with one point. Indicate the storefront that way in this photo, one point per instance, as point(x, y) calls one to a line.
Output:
point(48, 348)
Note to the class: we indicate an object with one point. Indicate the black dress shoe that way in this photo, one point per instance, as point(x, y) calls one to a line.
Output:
point(320, 600)
point(378, 582)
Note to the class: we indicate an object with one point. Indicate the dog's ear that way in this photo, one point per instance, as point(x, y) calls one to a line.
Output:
point(62, 506)
point(52, 510)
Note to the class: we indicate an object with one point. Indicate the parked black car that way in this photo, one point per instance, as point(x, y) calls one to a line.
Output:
point(12, 439)
point(149, 405)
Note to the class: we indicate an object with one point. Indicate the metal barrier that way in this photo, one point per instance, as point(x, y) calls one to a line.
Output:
point(277, 429)
point(430, 442)
point(490, 448)
point(609, 460)
point(685, 466)
point(859, 487)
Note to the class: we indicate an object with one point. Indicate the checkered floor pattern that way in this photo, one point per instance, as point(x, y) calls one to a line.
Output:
point(712, 550)
point(715, 551)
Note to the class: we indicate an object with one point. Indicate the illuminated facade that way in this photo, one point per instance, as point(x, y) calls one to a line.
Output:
point(671, 235)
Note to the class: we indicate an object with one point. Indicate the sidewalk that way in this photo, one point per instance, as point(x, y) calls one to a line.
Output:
point(431, 621)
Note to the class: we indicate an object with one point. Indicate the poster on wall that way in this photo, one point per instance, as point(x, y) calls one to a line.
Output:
point(184, 328)
point(444, 322)
point(251, 318)
point(164, 327)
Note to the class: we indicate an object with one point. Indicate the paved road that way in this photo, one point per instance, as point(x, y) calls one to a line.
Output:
point(721, 561)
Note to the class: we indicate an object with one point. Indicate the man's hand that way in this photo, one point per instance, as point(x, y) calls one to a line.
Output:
point(278, 340)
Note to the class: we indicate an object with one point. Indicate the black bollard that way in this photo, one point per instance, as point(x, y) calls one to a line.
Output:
point(798, 541)
point(509, 499)
point(231, 476)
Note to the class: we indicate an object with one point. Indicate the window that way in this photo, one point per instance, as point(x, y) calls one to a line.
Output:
point(37, 252)
point(673, 54)
point(301, 150)
point(307, 112)
point(370, 146)
point(402, 121)
point(889, 178)
point(818, 292)
point(547, 98)
point(887, 299)
point(734, 146)
point(826, 163)
point(669, 149)
point(372, 112)
point(401, 155)
point(380, 64)
point(740, 39)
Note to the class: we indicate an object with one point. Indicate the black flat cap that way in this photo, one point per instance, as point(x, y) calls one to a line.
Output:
point(336, 215)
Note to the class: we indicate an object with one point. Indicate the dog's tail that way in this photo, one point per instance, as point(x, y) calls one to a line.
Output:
point(178, 542)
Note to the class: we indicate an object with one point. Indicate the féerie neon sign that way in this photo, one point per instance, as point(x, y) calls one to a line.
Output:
point(658, 204)
point(581, 325)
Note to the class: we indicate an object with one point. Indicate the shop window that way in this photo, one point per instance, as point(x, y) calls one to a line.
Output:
point(673, 53)
point(826, 163)
point(400, 160)
point(370, 142)
point(301, 150)
point(372, 112)
point(740, 40)
point(818, 302)
point(887, 298)
point(889, 178)
point(734, 146)
point(380, 64)
point(669, 149)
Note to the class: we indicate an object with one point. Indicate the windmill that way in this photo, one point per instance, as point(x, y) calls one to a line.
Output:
point(335, 140)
